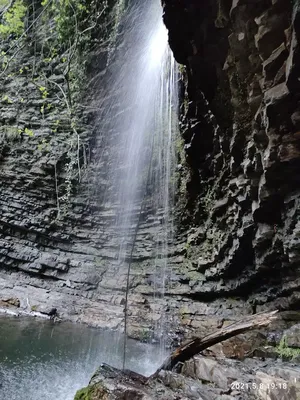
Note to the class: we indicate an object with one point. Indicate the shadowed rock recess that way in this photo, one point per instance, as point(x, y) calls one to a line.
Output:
point(238, 195)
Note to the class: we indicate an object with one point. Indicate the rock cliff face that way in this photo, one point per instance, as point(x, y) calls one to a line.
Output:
point(237, 248)
point(58, 245)
point(239, 190)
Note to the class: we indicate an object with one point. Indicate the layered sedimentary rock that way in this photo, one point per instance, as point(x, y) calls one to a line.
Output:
point(239, 174)
point(237, 246)
point(58, 239)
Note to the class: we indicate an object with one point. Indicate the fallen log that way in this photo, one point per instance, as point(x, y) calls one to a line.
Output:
point(195, 346)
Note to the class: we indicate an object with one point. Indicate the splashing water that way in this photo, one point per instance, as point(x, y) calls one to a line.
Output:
point(43, 360)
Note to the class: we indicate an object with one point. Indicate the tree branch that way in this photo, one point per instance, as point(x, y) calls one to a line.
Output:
point(195, 346)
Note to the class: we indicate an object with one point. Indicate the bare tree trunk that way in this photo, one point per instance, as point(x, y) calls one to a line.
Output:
point(190, 349)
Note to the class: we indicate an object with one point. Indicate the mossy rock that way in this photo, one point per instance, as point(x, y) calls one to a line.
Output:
point(286, 352)
point(9, 133)
point(94, 392)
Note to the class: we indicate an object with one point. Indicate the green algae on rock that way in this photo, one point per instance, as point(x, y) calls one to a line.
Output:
point(94, 392)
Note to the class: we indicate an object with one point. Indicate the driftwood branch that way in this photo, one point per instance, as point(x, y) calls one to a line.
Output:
point(195, 346)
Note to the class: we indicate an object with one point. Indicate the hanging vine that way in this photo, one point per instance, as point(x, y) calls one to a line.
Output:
point(59, 32)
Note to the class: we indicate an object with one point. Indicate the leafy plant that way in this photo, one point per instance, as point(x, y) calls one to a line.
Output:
point(6, 99)
point(43, 146)
point(28, 132)
point(4, 3)
point(44, 92)
point(13, 19)
point(55, 126)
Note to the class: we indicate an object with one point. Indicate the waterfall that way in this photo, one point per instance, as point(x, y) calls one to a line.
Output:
point(139, 122)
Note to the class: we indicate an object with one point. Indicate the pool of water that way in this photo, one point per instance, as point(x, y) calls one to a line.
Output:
point(42, 360)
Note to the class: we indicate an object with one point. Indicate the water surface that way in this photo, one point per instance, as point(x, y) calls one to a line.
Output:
point(41, 360)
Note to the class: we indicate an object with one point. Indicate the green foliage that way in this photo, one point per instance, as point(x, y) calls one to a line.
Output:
point(6, 99)
point(69, 17)
point(13, 19)
point(44, 92)
point(3, 59)
point(187, 246)
point(79, 22)
point(3, 3)
point(55, 126)
point(44, 146)
point(182, 68)
point(285, 351)
point(28, 132)
point(67, 30)
point(144, 335)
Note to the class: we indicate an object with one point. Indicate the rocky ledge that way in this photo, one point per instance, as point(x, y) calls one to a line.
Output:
point(264, 372)
point(202, 378)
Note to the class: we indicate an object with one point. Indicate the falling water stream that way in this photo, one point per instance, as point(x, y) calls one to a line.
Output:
point(144, 124)
point(137, 126)
point(139, 120)
point(147, 141)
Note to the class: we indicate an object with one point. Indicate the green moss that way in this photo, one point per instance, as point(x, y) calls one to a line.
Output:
point(94, 392)
point(195, 276)
point(187, 246)
point(285, 351)
point(9, 133)
point(82, 394)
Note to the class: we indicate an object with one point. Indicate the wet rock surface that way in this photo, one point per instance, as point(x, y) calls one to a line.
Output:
point(238, 201)
point(58, 242)
point(237, 248)
point(292, 336)
point(237, 245)
point(201, 378)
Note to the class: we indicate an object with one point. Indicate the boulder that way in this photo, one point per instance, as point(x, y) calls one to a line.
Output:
point(15, 302)
point(292, 336)
point(209, 370)
point(273, 388)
